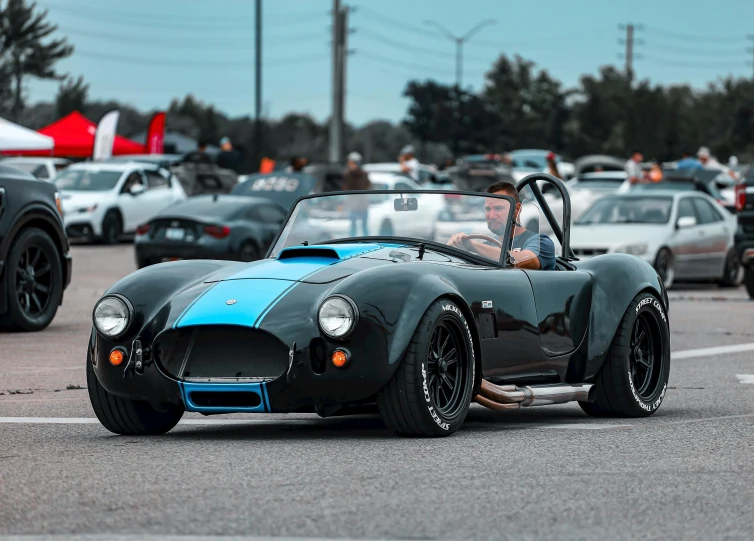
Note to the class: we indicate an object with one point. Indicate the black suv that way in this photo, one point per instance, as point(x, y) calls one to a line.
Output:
point(35, 263)
point(745, 232)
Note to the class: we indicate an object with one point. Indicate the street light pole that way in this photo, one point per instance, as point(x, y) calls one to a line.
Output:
point(459, 41)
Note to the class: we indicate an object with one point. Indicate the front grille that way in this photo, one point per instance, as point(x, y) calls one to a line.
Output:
point(221, 352)
point(585, 252)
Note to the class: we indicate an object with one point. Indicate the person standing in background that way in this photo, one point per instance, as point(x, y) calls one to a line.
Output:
point(409, 164)
point(229, 158)
point(355, 178)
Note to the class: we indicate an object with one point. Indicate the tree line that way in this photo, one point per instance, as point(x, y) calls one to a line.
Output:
point(519, 106)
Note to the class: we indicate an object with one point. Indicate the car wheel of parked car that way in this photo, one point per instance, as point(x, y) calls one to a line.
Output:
point(431, 391)
point(128, 417)
point(248, 252)
point(33, 281)
point(749, 281)
point(733, 271)
point(664, 267)
point(111, 228)
point(634, 378)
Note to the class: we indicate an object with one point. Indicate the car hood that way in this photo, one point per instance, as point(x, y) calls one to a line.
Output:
point(609, 236)
point(72, 200)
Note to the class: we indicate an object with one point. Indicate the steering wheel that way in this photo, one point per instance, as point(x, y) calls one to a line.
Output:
point(484, 237)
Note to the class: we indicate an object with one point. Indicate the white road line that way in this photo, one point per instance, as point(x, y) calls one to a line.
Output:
point(161, 537)
point(217, 422)
point(745, 378)
point(707, 352)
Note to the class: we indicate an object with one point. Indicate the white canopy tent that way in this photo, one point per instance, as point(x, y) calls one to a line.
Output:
point(15, 137)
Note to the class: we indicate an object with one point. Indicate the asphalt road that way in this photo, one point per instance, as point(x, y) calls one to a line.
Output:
point(549, 472)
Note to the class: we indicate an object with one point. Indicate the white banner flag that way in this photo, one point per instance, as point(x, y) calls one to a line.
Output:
point(104, 137)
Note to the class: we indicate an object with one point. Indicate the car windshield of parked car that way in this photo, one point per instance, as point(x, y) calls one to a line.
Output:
point(416, 215)
point(628, 210)
point(87, 180)
point(28, 167)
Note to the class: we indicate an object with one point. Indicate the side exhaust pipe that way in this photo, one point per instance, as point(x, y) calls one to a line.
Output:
point(510, 397)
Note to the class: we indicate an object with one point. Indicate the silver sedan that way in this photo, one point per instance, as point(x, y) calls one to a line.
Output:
point(684, 235)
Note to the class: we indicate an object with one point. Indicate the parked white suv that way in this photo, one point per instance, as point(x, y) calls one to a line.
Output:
point(42, 168)
point(102, 201)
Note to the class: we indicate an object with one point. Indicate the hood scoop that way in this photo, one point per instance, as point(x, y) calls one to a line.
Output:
point(334, 252)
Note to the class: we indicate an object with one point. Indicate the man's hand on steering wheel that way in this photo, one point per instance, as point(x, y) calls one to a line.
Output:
point(458, 240)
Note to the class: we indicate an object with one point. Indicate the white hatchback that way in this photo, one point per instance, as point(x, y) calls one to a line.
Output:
point(102, 201)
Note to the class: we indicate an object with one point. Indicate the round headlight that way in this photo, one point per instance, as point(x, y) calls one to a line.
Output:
point(337, 317)
point(111, 316)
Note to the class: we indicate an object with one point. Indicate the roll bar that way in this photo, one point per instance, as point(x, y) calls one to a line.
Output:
point(564, 236)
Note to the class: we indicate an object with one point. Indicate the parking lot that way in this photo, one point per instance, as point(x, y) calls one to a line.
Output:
point(542, 472)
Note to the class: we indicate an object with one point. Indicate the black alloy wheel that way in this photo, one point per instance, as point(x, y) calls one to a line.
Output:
point(431, 391)
point(733, 272)
point(33, 281)
point(445, 377)
point(645, 359)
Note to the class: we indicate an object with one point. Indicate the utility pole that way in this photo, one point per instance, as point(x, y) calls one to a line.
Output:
point(336, 121)
point(630, 42)
point(343, 78)
point(459, 41)
point(751, 37)
point(258, 86)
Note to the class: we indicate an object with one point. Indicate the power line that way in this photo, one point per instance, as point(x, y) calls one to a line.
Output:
point(684, 64)
point(404, 46)
point(409, 65)
point(193, 63)
point(689, 37)
point(698, 52)
point(191, 43)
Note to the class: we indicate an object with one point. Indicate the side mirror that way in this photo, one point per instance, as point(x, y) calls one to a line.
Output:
point(401, 205)
point(685, 222)
point(136, 189)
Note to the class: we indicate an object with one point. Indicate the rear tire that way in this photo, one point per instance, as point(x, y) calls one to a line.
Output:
point(248, 252)
point(128, 417)
point(32, 281)
point(431, 391)
point(634, 378)
point(749, 281)
point(732, 273)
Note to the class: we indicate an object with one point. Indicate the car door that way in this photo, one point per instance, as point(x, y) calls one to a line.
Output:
point(132, 204)
point(687, 248)
point(714, 237)
point(158, 194)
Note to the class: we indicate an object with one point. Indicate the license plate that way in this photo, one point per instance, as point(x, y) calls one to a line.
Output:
point(173, 233)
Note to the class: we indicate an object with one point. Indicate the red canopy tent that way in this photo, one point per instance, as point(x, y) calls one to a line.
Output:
point(74, 138)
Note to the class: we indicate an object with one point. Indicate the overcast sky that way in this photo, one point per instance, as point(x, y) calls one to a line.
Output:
point(145, 52)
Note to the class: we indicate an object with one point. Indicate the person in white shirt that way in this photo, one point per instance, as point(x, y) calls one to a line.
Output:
point(634, 173)
point(409, 164)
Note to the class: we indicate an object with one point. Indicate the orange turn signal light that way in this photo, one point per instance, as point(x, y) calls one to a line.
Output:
point(340, 358)
point(116, 357)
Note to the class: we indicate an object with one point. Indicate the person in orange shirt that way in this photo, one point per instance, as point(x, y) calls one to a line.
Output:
point(655, 172)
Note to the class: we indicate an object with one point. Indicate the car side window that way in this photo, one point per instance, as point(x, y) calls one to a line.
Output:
point(685, 208)
point(41, 172)
point(269, 214)
point(707, 214)
point(156, 180)
point(402, 186)
point(133, 178)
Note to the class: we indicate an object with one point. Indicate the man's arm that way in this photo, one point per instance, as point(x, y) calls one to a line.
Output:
point(523, 259)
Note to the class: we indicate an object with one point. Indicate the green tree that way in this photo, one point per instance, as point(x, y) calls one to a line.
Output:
point(24, 52)
point(71, 96)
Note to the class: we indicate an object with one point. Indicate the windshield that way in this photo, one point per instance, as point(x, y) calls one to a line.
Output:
point(628, 210)
point(680, 186)
point(87, 180)
point(421, 216)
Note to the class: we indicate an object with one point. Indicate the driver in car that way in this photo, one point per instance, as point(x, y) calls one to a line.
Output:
point(529, 250)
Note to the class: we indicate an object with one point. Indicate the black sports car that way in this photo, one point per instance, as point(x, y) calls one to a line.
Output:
point(35, 262)
point(210, 227)
point(418, 328)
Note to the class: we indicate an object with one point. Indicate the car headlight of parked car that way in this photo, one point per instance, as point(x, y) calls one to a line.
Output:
point(337, 316)
point(112, 315)
point(90, 208)
point(633, 249)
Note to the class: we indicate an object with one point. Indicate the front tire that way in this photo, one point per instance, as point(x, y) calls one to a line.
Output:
point(111, 228)
point(665, 267)
point(431, 392)
point(33, 281)
point(128, 417)
point(634, 378)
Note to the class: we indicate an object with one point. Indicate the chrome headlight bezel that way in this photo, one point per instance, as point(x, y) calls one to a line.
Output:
point(354, 314)
point(129, 310)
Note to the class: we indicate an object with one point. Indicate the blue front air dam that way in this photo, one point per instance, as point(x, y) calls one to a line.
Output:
point(225, 397)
